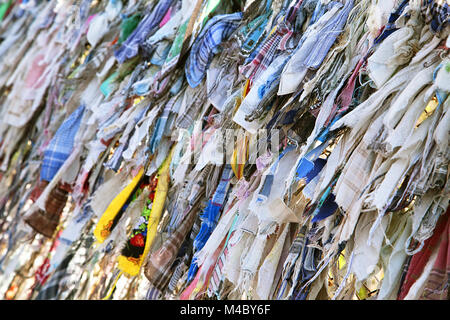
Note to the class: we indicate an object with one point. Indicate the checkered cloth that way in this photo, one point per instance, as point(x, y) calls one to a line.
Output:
point(191, 194)
point(277, 41)
point(61, 145)
point(186, 119)
point(217, 279)
point(153, 294)
point(158, 269)
point(436, 14)
point(328, 34)
point(51, 289)
point(160, 125)
point(291, 265)
point(266, 53)
point(216, 30)
point(184, 256)
point(146, 27)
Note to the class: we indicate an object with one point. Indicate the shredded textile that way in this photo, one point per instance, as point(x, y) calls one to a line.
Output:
point(218, 149)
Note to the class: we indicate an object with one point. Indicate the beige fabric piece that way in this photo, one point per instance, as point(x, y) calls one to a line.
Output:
point(251, 263)
point(232, 266)
point(268, 268)
point(393, 255)
point(366, 256)
point(402, 160)
point(404, 100)
point(402, 131)
point(358, 168)
point(107, 191)
point(263, 210)
point(357, 118)
point(380, 65)
point(440, 135)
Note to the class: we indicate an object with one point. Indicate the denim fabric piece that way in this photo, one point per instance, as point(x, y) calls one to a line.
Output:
point(308, 162)
point(318, 166)
point(326, 210)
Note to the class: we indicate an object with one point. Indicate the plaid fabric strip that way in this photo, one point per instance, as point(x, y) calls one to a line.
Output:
point(436, 14)
point(185, 257)
point(161, 125)
point(51, 289)
point(217, 277)
point(271, 47)
point(186, 119)
point(199, 186)
point(95, 58)
point(61, 145)
point(265, 55)
point(153, 294)
point(216, 30)
point(158, 269)
point(222, 189)
point(195, 190)
point(116, 160)
point(146, 27)
point(330, 32)
point(291, 262)
point(180, 268)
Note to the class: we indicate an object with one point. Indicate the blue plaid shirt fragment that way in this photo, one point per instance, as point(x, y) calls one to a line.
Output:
point(216, 30)
point(61, 145)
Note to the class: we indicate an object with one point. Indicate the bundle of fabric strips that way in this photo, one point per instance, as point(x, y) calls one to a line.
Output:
point(224, 149)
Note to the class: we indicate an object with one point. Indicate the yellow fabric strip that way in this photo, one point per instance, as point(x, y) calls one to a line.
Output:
point(240, 156)
point(130, 265)
point(113, 287)
point(103, 227)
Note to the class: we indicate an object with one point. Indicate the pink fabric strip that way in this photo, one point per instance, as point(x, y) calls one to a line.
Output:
point(166, 17)
point(345, 98)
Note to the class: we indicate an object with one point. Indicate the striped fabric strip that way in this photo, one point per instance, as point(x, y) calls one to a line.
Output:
point(217, 278)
